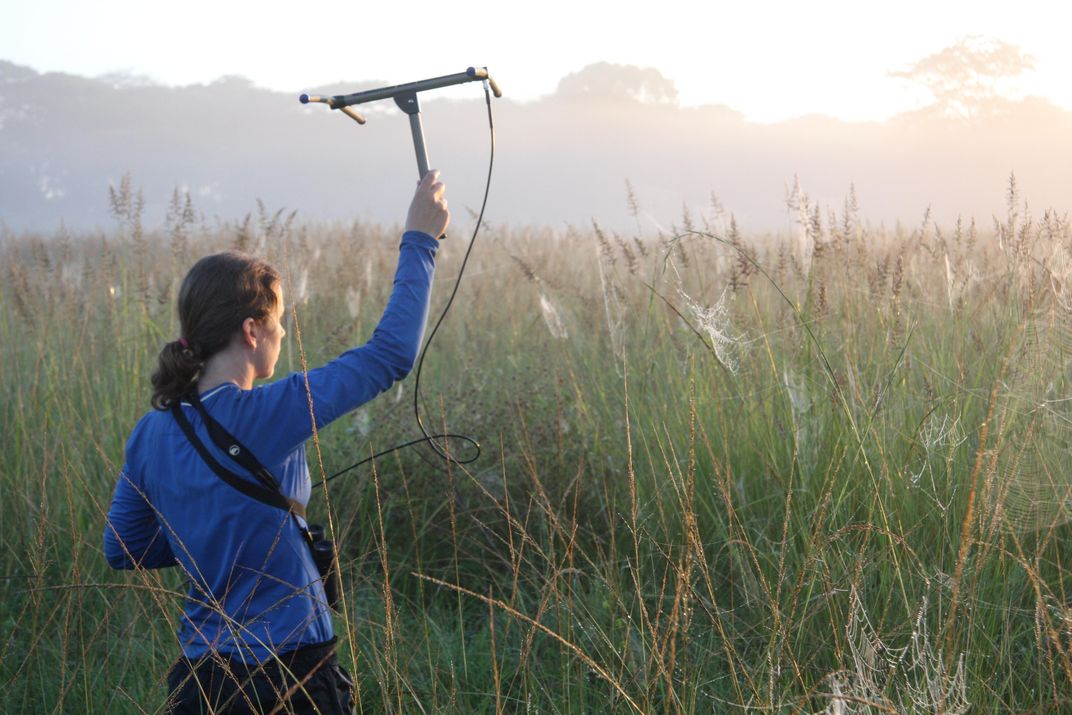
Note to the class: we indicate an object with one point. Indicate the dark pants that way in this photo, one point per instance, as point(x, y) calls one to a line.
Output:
point(306, 680)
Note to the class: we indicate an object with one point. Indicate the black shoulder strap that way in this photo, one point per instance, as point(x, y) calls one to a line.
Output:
point(230, 444)
point(261, 492)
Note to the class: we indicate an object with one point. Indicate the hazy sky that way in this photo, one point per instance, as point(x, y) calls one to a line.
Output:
point(770, 60)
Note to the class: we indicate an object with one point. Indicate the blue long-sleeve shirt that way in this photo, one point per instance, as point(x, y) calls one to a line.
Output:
point(254, 589)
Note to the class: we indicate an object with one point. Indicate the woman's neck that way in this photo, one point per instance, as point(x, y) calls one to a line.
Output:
point(230, 365)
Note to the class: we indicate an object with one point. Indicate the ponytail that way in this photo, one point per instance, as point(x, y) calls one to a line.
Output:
point(217, 295)
point(176, 374)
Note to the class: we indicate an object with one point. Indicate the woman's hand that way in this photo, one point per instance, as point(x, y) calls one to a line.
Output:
point(428, 210)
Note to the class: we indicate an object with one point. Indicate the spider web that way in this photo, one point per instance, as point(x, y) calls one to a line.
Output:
point(1033, 486)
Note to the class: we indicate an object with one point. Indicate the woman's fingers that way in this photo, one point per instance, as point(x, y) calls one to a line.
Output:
point(428, 211)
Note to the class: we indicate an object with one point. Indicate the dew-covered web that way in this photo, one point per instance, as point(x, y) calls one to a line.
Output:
point(713, 321)
point(1033, 489)
point(552, 318)
point(882, 677)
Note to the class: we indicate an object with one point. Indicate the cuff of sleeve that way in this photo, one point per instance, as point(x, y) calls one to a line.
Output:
point(420, 238)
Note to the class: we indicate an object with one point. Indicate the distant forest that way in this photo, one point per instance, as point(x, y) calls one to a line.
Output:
point(562, 160)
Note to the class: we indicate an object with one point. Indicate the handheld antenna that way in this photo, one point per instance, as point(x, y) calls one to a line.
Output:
point(405, 96)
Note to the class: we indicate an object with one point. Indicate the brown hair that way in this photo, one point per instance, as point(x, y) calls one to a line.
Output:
point(216, 297)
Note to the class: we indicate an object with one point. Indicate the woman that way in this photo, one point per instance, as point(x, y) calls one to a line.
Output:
point(256, 632)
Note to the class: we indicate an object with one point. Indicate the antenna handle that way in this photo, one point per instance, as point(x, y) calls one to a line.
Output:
point(357, 117)
point(330, 101)
point(482, 73)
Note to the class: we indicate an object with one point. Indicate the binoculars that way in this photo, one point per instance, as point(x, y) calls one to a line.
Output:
point(325, 558)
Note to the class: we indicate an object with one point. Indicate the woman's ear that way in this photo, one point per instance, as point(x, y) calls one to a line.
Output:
point(249, 333)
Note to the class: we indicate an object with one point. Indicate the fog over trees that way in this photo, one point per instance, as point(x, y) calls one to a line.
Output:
point(563, 159)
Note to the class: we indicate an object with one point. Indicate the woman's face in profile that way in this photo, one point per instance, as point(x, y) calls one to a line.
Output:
point(270, 339)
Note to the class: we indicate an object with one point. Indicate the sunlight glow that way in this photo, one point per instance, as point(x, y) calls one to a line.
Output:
point(770, 60)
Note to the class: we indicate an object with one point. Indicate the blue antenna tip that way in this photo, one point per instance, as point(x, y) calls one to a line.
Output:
point(304, 99)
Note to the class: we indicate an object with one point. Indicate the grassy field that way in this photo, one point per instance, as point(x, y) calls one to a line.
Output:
point(824, 471)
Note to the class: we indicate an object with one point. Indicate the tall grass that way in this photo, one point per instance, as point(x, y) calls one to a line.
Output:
point(806, 472)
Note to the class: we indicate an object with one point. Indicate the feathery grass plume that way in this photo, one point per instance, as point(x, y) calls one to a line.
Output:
point(876, 278)
point(744, 260)
point(275, 233)
point(960, 277)
point(127, 207)
point(800, 210)
point(641, 247)
point(20, 292)
point(972, 237)
point(717, 223)
point(526, 269)
point(680, 253)
point(1007, 231)
point(686, 219)
point(781, 266)
point(815, 229)
point(125, 203)
point(834, 237)
point(850, 216)
point(264, 221)
point(243, 234)
point(633, 205)
point(606, 251)
point(897, 282)
point(630, 258)
point(1059, 270)
point(613, 308)
point(631, 201)
point(1055, 229)
point(180, 216)
point(896, 304)
point(40, 256)
point(921, 244)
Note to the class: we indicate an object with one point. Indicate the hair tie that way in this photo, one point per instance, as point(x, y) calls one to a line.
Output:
point(183, 342)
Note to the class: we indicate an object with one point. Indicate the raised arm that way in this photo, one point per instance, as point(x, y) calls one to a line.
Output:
point(358, 375)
